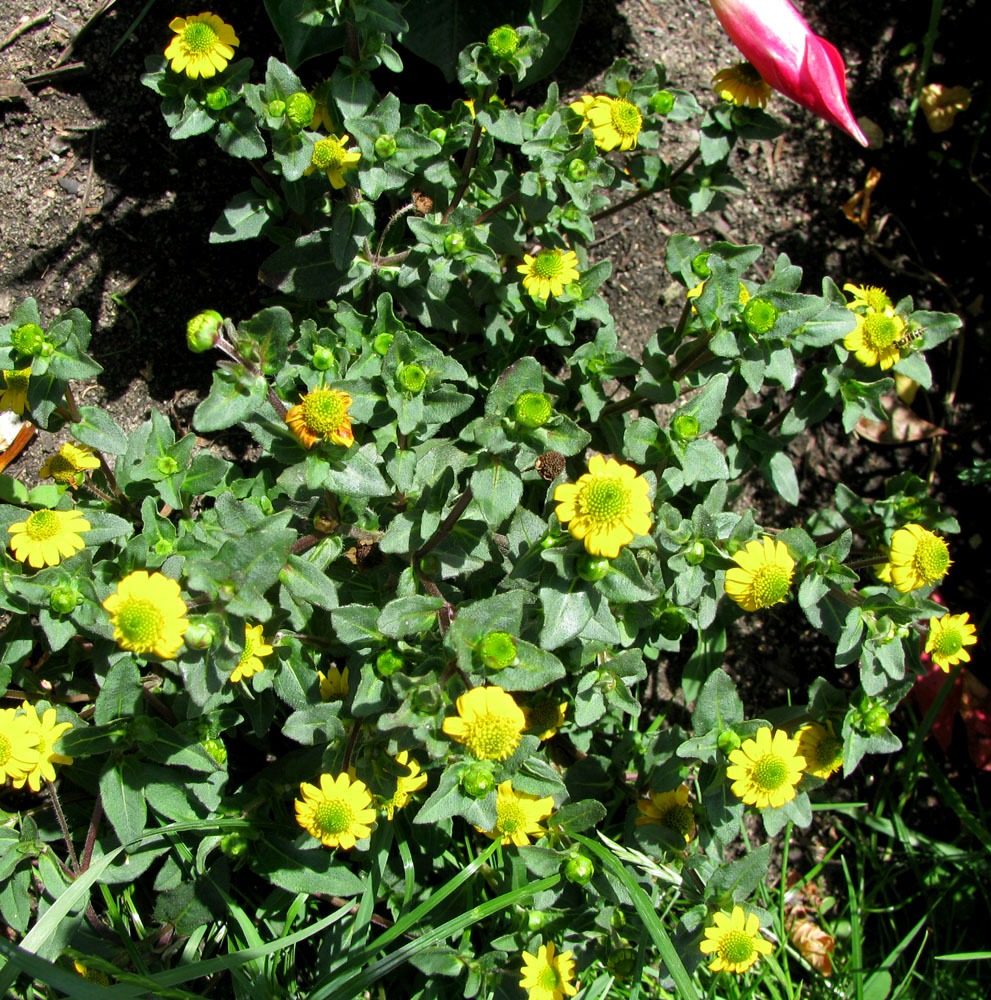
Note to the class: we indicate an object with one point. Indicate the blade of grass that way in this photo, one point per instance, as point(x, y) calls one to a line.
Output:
point(856, 941)
point(70, 983)
point(964, 956)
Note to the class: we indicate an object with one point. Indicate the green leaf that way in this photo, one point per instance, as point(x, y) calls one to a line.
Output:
point(718, 706)
point(121, 694)
point(231, 400)
point(409, 616)
point(100, 431)
point(307, 871)
point(566, 613)
point(573, 817)
point(243, 218)
point(734, 882)
point(497, 489)
point(123, 800)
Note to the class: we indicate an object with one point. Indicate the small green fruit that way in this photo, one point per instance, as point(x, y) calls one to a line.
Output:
point(63, 599)
point(454, 243)
point(28, 339)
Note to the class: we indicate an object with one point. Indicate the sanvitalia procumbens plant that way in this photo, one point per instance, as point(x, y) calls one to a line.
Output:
point(427, 605)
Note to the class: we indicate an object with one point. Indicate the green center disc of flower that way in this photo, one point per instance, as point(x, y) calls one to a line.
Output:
point(511, 817)
point(249, 650)
point(492, 737)
point(42, 525)
point(548, 264)
point(503, 41)
point(931, 559)
point(770, 585)
point(549, 978)
point(949, 642)
point(760, 316)
point(61, 469)
point(626, 118)
point(199, 37)
point(876, 298)
point(605, 498)
point(17, 381)
point(334, 816)
point(735, 947)
point(5, 750)
point(324, 411)
point(881, 330)
point(829, 752)
point(679, 819)
point(498, 650)
point(532, 409)
point(27, 338)
point(770, 772)
point(140, 622)
point(412, 378)
point(327, 154)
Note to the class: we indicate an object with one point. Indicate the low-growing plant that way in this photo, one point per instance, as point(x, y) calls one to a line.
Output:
point(266, 703)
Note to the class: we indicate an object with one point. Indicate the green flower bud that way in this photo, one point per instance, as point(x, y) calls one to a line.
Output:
point(533, 409)
point(622, 962)
point(760, 316)
point(617, 919)
point(503, 41)
point(199, 635)
point(323, 359)
point(728, 741)
point(300, 108)
point(476, 782)
point(909, 509)
point(412, 378)
point(579, 870)
point(578, 170)
point(497, 650)
point(276, 109)
point(385, 146)
point(672, 623)
point(662, 102)
point(453, 243)
point(235, 844)
point(166, 465)
point(537, 919)
point(695, 553)
point(382, 343)
point(264, 504)
point(592, 568)
point(46, 350)
point(873, 716)
point(227, 591)
point(63, 599)
point(216, 749)
point(142, 730)
point(28, 339)
point(163, 546)
point(203, 330)
point(387, 663)
point(685, 427)
point(439, 135)
point(430, 565)
point(217, 98)
point(700, 265)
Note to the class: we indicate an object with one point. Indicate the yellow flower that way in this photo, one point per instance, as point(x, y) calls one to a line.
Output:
point(14, 395)
point(148, 614)
point(734, 940)
point(333, 684)
point(338, 813)
point(19, 754)
point(255, 648)
point(48, 536)
point(821, 748)
point(332, 156)
point(762, 574)
point(615, 122)
point(742, 85)
point(670, 810)
point(948, 635)
point(874, 340)
point(917, 558)
point(548, 976)
point(766, 769)
point(405, 786)
point(202, 45)
point(69, 464)
point(548, 271)
point(518, 814)
point(868, 297)
point(322, 415)
point(545, 717)
point(321, 113)
point(489, 723)
point(92, 975)
point(606, 508)
point(48, 732)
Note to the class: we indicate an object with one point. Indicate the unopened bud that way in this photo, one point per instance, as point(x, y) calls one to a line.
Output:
point(728, 741)
point(382, 343)
point(203, 330)
point(476, 782)
point(385, 146)
point(661, 102)
point(388, 663)
point(412, 378)
point(217, 98)
point(578, 170)
point(700, 265)
point(685, 427)
point(28, 339)
point(454, 243)
point(323, 359)
point(276, 109)
point(300, 108)
point(592, 568)
point(533, 409)
point(503, 41)
point(63, 599)
point(579, 870)
point(199, 635)
point(497, 650)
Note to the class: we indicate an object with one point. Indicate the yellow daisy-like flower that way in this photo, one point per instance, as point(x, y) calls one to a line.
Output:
point(606, 508)
point(92, 975)
point(48, 536)
point(548, 976)
point(874, 340)
point(518, 815)
point(202, 45)
point(545, 717)
point(916, 558)
point(821, 748)
point(762, 574)
point(322, 415)
point(615, 122)
point(333, 684)
point(766, 769)
point(339, 813)
point(48, 732)
point(948, 635)
point(868, 297)
point(670, 810)
point(255, 648)
point(69, 464)
point(489, 723)
point(321, 113)
point(742, 85)
point(148, 614)
point(547, 272)
point(405, 786)
point(19, 754)
point(734, 941)
point(14, 394)
point(332, 157)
